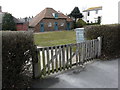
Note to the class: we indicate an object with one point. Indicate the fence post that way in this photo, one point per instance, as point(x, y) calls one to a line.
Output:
point(36, 71)
point(99, 45)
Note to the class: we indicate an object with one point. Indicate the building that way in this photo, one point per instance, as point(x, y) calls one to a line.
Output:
point(20, 25)
point(92, 14)
point(109, 13)
point(50, 20)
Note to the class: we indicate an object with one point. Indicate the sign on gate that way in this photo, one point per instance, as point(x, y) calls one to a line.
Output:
point(79, 35)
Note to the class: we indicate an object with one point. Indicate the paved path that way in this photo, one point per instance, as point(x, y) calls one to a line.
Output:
point(100, 74)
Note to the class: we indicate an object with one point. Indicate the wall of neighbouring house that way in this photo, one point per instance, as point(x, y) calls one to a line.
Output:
point(93, 17)
point(52, 21)
point(22, 27)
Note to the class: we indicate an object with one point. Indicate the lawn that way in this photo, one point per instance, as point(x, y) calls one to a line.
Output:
point(54, 38)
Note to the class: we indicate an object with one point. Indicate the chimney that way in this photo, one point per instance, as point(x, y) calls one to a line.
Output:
point(0, 9)
point(26, 19)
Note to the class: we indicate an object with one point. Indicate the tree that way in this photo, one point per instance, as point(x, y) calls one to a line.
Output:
point(80, 23)
point(76, 13)
point(8, 22)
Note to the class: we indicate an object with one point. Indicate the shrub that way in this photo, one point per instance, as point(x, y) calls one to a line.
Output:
point(110, 40)
point(80, 23)
point(17, 48)
point(8, 22)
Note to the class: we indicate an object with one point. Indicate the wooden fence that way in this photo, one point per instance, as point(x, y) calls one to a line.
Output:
point(63, 57)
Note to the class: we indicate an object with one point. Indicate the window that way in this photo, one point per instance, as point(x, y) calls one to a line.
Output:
point(55, 15)
point(62, 24)
point(88, 13)
point(96, 11)
point(87, 21)
point(49, 24)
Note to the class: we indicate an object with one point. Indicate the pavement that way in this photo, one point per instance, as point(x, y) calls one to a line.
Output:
point(99, 74)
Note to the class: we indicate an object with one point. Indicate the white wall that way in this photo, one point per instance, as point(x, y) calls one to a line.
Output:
point(110, 12)
point(92, 16)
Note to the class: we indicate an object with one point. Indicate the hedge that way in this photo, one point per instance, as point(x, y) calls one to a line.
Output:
point(17, 51)
point(110, 37)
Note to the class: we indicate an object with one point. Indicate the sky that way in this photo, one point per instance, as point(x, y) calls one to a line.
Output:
point(23, 8)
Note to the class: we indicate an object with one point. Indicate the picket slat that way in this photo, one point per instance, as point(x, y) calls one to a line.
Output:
point(39, 62)
point(52, 59)
point(56, 61)
point(48, 58)
point(89, 49)
point(96, 48)
point(60, 63)
point(77, 54)
point(93, 48)
point(67, 56)
point(86, 50)
point(63, 57)
point(70, 56)
point(44, 66)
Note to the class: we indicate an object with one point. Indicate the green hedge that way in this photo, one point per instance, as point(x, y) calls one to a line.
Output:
point(17, 48)
point(111, 37)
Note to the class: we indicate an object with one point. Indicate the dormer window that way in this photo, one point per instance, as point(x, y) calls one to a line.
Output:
point(55, 15)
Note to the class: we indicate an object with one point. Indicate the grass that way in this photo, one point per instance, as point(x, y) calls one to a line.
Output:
point(55, 38)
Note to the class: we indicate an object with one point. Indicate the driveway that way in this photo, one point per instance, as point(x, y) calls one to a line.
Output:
point(99, 74)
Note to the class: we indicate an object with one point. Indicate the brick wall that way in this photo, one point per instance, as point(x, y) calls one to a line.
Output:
point(52, 21)
point(22, 27)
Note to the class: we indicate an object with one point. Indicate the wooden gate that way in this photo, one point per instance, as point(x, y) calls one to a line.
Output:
point(59, 58)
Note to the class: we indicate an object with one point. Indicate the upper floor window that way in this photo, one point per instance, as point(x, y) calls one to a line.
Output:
point(96, 11)
point(88, 13)
point(55, 15)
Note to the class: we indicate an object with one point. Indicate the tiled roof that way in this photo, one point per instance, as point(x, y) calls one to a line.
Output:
point(46, 13)
point(68, 19)
point(93, 8)
point(16, 20)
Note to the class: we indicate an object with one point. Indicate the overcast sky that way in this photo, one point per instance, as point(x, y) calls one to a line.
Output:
point(23, 8)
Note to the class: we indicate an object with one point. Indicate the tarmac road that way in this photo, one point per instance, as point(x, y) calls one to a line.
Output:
point(100, 74)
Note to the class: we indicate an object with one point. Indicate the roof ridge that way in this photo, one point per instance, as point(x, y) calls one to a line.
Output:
point(93, 8)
